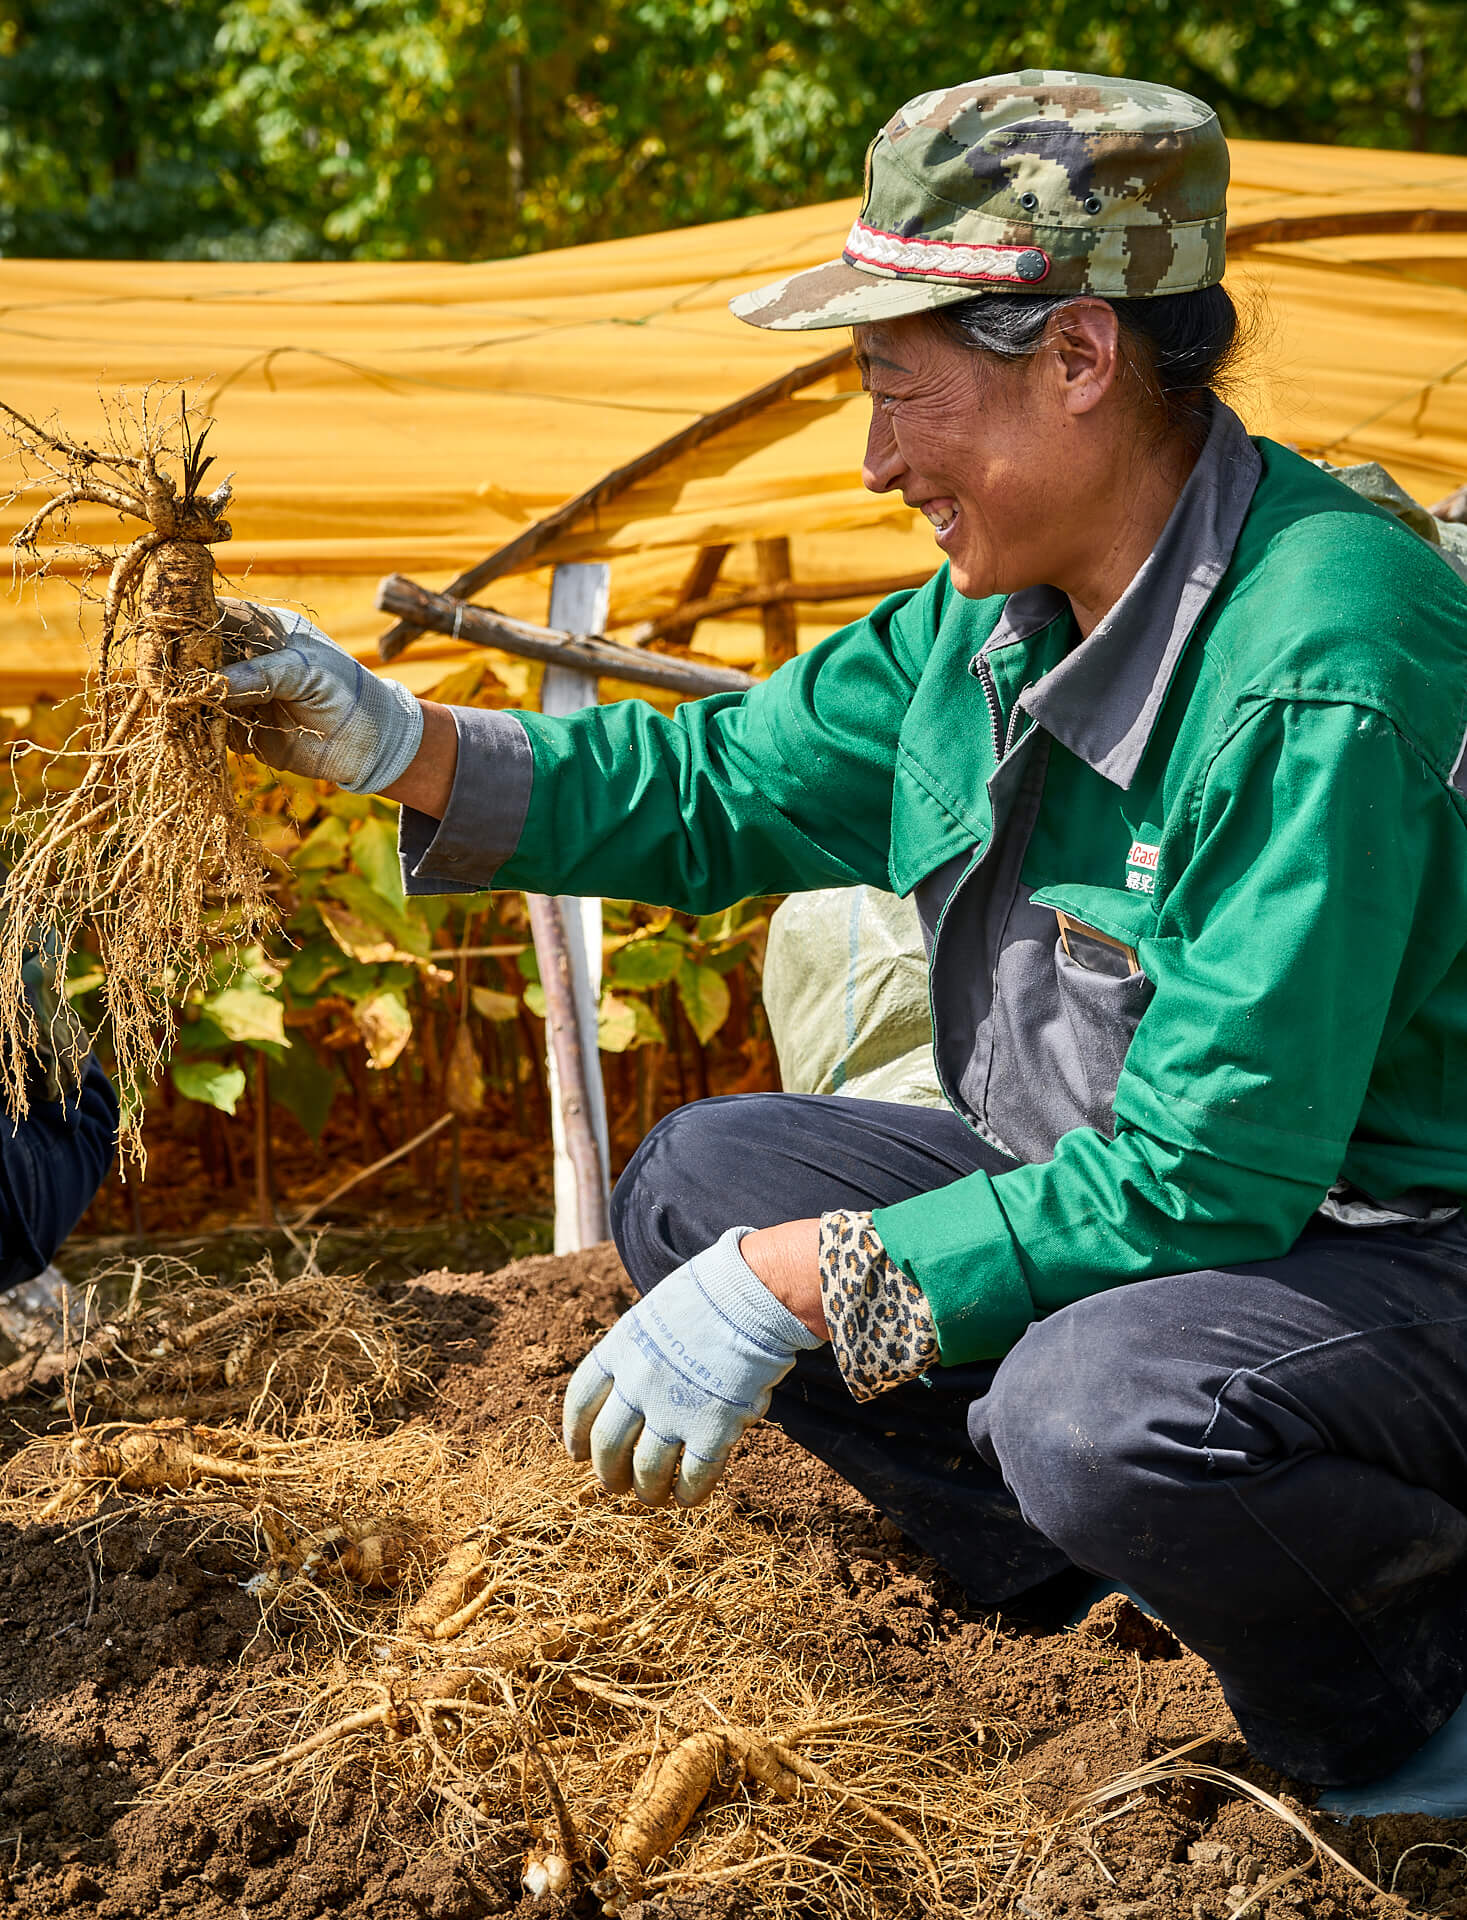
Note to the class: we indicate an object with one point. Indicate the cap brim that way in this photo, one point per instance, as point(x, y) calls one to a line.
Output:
point(840, 295)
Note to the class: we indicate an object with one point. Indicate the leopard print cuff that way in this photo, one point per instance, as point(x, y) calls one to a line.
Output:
point(881, 1327)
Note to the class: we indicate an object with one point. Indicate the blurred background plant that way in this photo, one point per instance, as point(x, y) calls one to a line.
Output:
point(458, 129)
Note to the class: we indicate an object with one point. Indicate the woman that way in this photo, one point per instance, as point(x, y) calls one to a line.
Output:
point(1171, 753)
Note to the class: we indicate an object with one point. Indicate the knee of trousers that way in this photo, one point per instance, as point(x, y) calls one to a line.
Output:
point(666, 1205)
point(1082, 1430)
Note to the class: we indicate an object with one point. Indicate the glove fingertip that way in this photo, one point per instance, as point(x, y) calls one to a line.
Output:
point(697, 1479)
point(589, 1388)
point(244, 680)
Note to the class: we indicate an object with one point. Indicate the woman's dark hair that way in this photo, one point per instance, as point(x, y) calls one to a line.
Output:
point(1180, 347)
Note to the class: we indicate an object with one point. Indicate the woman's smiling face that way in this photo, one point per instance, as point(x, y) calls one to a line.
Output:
point(994, 453)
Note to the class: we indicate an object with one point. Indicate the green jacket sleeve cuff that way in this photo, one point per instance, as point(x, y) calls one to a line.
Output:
point(956, 1244)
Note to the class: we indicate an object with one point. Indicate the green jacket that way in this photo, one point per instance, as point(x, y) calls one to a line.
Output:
point(1253, 774)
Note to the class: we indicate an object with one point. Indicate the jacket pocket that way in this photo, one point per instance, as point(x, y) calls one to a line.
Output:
point(1101, 992)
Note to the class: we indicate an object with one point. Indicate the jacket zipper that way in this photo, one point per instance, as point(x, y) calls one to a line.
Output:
point(985, 678)
point(1003, 738)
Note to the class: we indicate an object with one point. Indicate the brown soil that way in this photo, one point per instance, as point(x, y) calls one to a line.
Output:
point(116, 1651)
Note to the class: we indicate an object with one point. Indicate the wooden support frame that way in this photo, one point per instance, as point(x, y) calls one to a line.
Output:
point(525, 547)
point(586, 653)
point(697, 588)
point(777, 613)
point(799, 592)
point(1283, 228)
point(572, 1091)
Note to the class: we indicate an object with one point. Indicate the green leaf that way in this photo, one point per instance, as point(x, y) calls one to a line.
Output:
point(350, 806)
point(304, 1086)
point(324, 846)
point(209, 1081)
point(492, 1005)
point(650, 1031)
point(647, 963)
point(374, 851)
point(246, 1014)
point(364, 941)
point(358, 981)
point(527, 961)
point(236, 966)
point(535, 999)
point(712, 927)
point(201, 1036)
point(705, 999)
point(363, 900)
point(311, 968)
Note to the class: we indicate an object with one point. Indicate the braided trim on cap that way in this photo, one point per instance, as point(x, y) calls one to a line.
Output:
point(938, 259)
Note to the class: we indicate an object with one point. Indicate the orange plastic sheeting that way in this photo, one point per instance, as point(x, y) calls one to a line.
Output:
point(409, 418)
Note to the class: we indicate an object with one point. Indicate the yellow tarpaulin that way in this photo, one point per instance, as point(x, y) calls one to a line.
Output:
point(408, 418)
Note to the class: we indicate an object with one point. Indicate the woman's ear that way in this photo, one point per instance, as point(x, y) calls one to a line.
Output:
point(1086, 345)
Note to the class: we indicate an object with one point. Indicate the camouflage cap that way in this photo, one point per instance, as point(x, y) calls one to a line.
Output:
point(1035, 181)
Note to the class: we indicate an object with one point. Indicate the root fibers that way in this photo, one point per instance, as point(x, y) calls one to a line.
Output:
point(148, 847)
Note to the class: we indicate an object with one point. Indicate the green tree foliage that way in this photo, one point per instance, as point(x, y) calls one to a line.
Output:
point(460, 129)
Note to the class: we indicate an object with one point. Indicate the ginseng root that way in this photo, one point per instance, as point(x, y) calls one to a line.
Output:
point(151, 1460)
point(149, 848)
point(401, 1704)
point(670, 1793)
point(545, 1873)
point(673, 1788)
point(377, 1554)
point(394, 1712)
point(454, 1595)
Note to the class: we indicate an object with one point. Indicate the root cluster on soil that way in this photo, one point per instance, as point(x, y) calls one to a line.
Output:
point(605, 1697)
point(145, 844)
point(604, 1701)
point(315, 1351)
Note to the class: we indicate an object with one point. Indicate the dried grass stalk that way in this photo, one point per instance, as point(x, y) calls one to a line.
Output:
point(149, 848)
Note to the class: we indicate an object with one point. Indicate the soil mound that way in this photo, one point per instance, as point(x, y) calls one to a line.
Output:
point(121, 1641)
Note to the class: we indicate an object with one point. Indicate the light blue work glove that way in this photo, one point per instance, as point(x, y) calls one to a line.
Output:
point(299, 702)
point(659, 1402)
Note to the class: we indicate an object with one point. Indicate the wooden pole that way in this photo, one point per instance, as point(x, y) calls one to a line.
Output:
point(1279, 230)
point(798, 592)
point(696, 589)
point(585, 652)
point(777, 614)
point(548, 927)
point(579, 596)
point(520, 551)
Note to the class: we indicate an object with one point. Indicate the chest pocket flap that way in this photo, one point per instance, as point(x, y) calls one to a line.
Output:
point(1114, 911)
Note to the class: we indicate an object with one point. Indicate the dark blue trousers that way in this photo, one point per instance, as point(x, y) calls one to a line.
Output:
point(1274, 1455)
point(51, 1164)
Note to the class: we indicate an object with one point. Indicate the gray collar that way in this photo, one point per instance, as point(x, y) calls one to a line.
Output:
point(1102, 700)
